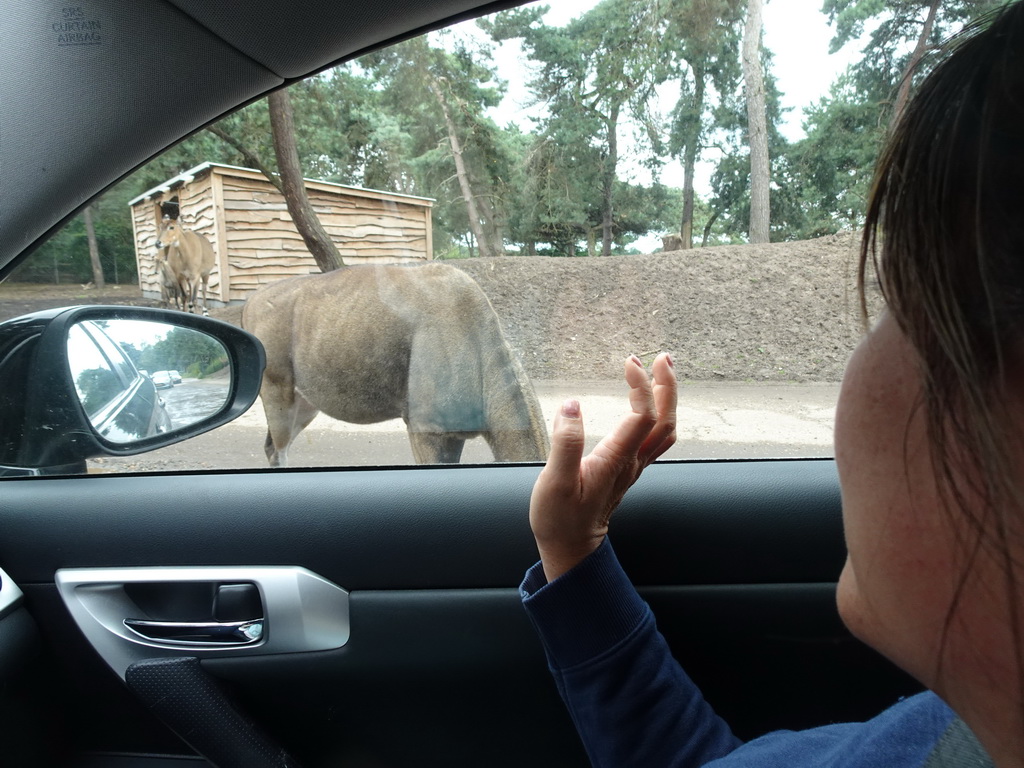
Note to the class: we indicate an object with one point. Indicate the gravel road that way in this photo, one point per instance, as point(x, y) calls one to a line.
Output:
point(716, 420)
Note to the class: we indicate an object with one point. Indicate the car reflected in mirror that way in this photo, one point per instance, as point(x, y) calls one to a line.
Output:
point(107, 357)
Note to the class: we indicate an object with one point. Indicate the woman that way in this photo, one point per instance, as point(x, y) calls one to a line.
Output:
point(929, 445)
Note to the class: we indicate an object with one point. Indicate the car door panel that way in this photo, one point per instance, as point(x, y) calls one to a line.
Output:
point(738, 560)
point(32, 734)
point(712, 523)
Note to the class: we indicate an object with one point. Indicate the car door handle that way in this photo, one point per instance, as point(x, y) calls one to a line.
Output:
point(301, 611)
point(219, 633)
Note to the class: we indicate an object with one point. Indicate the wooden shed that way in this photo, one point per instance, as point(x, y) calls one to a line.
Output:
point(246, 219)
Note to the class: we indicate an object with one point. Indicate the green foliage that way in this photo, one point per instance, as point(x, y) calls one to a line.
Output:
point(831, 169)
point(182, 349)
point(64, 258)
point(558, 188)
point(603, 65)
point(894, 27)
point(216, 365)
point(730, 181)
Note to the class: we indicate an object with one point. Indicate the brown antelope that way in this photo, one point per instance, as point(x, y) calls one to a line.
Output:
point(366, 344)
point(190, 259)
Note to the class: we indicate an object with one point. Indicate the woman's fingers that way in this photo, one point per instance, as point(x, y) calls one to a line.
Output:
point(566, 443)
point(665, 394)
point(627, 437)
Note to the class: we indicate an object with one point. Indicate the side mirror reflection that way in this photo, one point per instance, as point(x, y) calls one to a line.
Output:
point(139, 378)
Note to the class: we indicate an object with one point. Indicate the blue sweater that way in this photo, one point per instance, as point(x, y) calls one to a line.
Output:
point(633, 705)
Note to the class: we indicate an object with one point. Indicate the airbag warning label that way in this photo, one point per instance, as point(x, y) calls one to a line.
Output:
point(76, 28)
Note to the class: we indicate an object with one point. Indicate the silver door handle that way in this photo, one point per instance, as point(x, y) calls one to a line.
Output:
point(199, 633)
point(307, 612)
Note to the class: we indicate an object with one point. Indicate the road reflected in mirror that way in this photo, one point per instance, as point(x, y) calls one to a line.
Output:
point(138, 378)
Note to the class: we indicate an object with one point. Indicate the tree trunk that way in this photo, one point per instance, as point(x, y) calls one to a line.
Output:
point(460, 169)
point(94, 250)
point(282, 126)
point(690, 161)
point(707, 230)
point(608, 180)
point(903, 95)
point(757, 124)
point(492, 227)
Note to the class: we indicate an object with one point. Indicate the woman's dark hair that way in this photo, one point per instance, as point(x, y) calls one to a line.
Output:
point(945, 233)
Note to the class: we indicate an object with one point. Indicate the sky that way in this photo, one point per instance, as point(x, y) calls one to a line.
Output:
point(797, 33)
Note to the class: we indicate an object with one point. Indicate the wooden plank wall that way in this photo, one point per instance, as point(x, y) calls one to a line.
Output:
point(145, 225)
point(244, 215)
point(264, 246)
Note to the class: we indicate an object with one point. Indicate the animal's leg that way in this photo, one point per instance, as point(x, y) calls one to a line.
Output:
point(288, 413)
point(206, 279)
point(268, 448)
point(516, 445)
point(183, 294)
point(436, 447)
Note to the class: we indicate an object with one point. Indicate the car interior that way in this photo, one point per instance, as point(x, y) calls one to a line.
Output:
point(327, 616)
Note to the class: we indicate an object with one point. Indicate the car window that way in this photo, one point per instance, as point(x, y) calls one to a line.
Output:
point(99, 381)
point(114, 353)
point(516, 204)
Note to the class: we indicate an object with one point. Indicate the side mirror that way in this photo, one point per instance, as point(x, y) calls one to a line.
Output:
point(81, 382)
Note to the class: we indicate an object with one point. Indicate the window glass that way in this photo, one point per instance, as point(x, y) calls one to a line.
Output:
point(518, 204)
point(96, 380)
point(114, 354)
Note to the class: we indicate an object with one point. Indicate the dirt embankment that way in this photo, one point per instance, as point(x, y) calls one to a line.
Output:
point(778, 312)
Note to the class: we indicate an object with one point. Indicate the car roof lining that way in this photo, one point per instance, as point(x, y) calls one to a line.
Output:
point(146, 86)
point(318, 41)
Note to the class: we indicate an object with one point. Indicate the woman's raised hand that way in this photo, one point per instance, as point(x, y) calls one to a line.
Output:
point(574, 497)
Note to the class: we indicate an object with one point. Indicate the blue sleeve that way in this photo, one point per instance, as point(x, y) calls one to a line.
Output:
point(631, 701)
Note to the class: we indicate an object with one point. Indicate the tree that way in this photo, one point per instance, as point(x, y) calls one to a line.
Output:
point(561, 194)
point(757, 125)
point(319, 243)
point(439, 86)
point(832, 168)
point(66, 257)
point(94, 251)
point(180, 350)
point(242, 133)
point(731, 183)
point(701, 39)
point(887, 72)
point(438, 89)
point(600, 66)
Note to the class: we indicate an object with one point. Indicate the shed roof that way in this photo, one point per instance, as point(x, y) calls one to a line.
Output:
point(187, 176)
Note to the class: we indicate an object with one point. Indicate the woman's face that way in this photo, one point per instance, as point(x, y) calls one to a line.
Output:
point(904, 563)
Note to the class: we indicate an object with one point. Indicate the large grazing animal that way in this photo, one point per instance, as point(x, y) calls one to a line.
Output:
point(365, 344)
point(190, 258)
point(170, 291)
